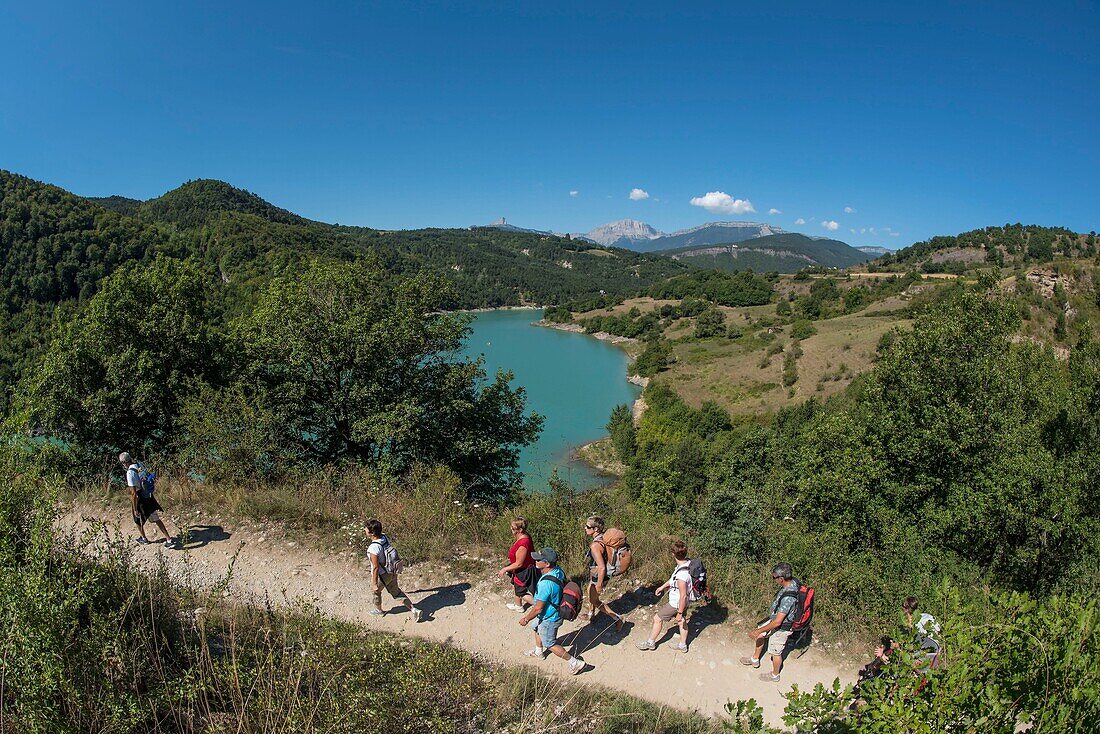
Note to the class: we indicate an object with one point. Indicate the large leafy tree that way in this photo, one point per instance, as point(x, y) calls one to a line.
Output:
point(359, 366)
point(115, 375)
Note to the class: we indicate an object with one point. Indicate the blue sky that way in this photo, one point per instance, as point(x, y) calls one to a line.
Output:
point(924, 120)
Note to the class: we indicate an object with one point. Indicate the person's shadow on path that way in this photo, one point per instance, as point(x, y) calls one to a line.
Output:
point(699, 616)
point(197, 536)
point(452, 595)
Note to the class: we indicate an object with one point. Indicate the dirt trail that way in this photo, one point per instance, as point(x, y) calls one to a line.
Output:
point(469, 612)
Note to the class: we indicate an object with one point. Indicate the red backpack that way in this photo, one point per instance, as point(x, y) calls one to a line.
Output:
point(571, 598)
point(803, 612)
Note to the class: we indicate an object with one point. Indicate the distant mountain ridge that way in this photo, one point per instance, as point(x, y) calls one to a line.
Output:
point(787, 252)
point(874, 250)
point(502, 224)
point(634, 235)
point(624, 233)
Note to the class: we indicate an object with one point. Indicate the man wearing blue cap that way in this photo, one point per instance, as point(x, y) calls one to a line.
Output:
point(547, 600)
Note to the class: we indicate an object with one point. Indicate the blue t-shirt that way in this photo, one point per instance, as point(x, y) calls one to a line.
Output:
point(550, 593)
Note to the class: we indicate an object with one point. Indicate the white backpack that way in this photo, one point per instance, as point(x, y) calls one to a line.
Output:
point(389, 560)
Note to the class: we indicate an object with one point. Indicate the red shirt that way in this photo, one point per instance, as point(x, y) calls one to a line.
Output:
point(523, 542)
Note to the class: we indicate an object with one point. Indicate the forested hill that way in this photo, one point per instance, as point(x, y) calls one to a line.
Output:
point(788, 252)
point(1008, 245)
point(57, 247)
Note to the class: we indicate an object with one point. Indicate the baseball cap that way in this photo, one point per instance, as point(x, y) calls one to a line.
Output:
point(546, 554)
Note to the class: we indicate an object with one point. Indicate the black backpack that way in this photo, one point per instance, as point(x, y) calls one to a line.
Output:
point(697, 589)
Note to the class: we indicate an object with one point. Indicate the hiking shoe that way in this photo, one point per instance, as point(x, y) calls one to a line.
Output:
point(514, 607)
point(576, 665)
point(536, 652)
point(144, 541)
point(680, 647)
point(750, 661)
point(376, 612)
point(769, 677)
point(647, 645)
point(418, 614)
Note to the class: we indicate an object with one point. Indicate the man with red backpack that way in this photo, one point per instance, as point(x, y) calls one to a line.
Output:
point(549, 605)
point(790, 611)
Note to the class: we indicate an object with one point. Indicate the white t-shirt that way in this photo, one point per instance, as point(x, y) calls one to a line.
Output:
point(132, 475)
point(679, 574)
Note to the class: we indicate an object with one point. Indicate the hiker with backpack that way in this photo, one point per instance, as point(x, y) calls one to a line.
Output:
point(681, 588)
point(925, 629)
point(608, 555)
point(521, 567)
point(385, 564)
point(790, 610)
point(143, 503)
point(556, 600)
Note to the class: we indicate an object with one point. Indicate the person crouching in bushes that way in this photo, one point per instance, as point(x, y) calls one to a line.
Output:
point(874, 669)
point(678, 586)
point(597, 566)
point(548, 595)
point(521, 567)
point(385, 563)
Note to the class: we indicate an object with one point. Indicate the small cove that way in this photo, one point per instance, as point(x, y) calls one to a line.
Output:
point(572, 379)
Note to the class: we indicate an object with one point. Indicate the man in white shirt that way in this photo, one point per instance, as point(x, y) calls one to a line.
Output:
point(144, 505)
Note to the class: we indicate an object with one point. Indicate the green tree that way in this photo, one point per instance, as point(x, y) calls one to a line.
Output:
point(711, 322)
point(621, 427)
point(359, 366)
point(115, 376)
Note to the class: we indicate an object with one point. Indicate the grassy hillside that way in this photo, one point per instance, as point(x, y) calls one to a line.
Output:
point(1011, 245)
point(783, 253)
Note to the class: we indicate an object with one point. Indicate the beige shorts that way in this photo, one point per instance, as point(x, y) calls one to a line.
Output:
point(777, 641)
point(389, 582)
point(667, 613)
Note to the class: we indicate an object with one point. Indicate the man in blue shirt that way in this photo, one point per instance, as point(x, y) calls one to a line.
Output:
point(545, 609)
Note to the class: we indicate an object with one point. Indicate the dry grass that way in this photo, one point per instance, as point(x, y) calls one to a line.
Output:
point(739, 376)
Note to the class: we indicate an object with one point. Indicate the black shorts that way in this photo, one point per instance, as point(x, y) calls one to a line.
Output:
point(524, 581)
point(147, 509)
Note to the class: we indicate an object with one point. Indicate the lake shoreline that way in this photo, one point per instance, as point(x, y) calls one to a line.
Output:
point(586, 453)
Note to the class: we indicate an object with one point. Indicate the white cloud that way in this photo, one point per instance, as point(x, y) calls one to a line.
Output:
point(574, 193)
point(849, 210)
point(830, 225)
point(852, 230)
point(863, 230)
point(638, 194)
point(719, 202)
point(773, 211)
point(895, 234)
point(800, 220)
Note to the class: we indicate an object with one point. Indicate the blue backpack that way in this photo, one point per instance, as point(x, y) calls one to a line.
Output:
point(147, 481)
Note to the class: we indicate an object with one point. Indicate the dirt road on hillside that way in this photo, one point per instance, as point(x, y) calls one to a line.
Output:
point(469, 612)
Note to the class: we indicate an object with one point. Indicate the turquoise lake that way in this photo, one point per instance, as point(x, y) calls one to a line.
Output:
point(572, 379)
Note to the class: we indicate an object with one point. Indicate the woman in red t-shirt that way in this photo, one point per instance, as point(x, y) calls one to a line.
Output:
point(521, 566)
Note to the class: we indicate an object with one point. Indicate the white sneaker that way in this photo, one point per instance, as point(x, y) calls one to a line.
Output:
point(647, 645)
point(514, 607)
point(680, 647)
point(576, 665)
point(418, 614)
point(536, 652)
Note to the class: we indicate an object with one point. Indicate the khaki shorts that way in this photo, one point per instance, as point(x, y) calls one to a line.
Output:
point(777, 641)
point(389, 580)
point(667, 613)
